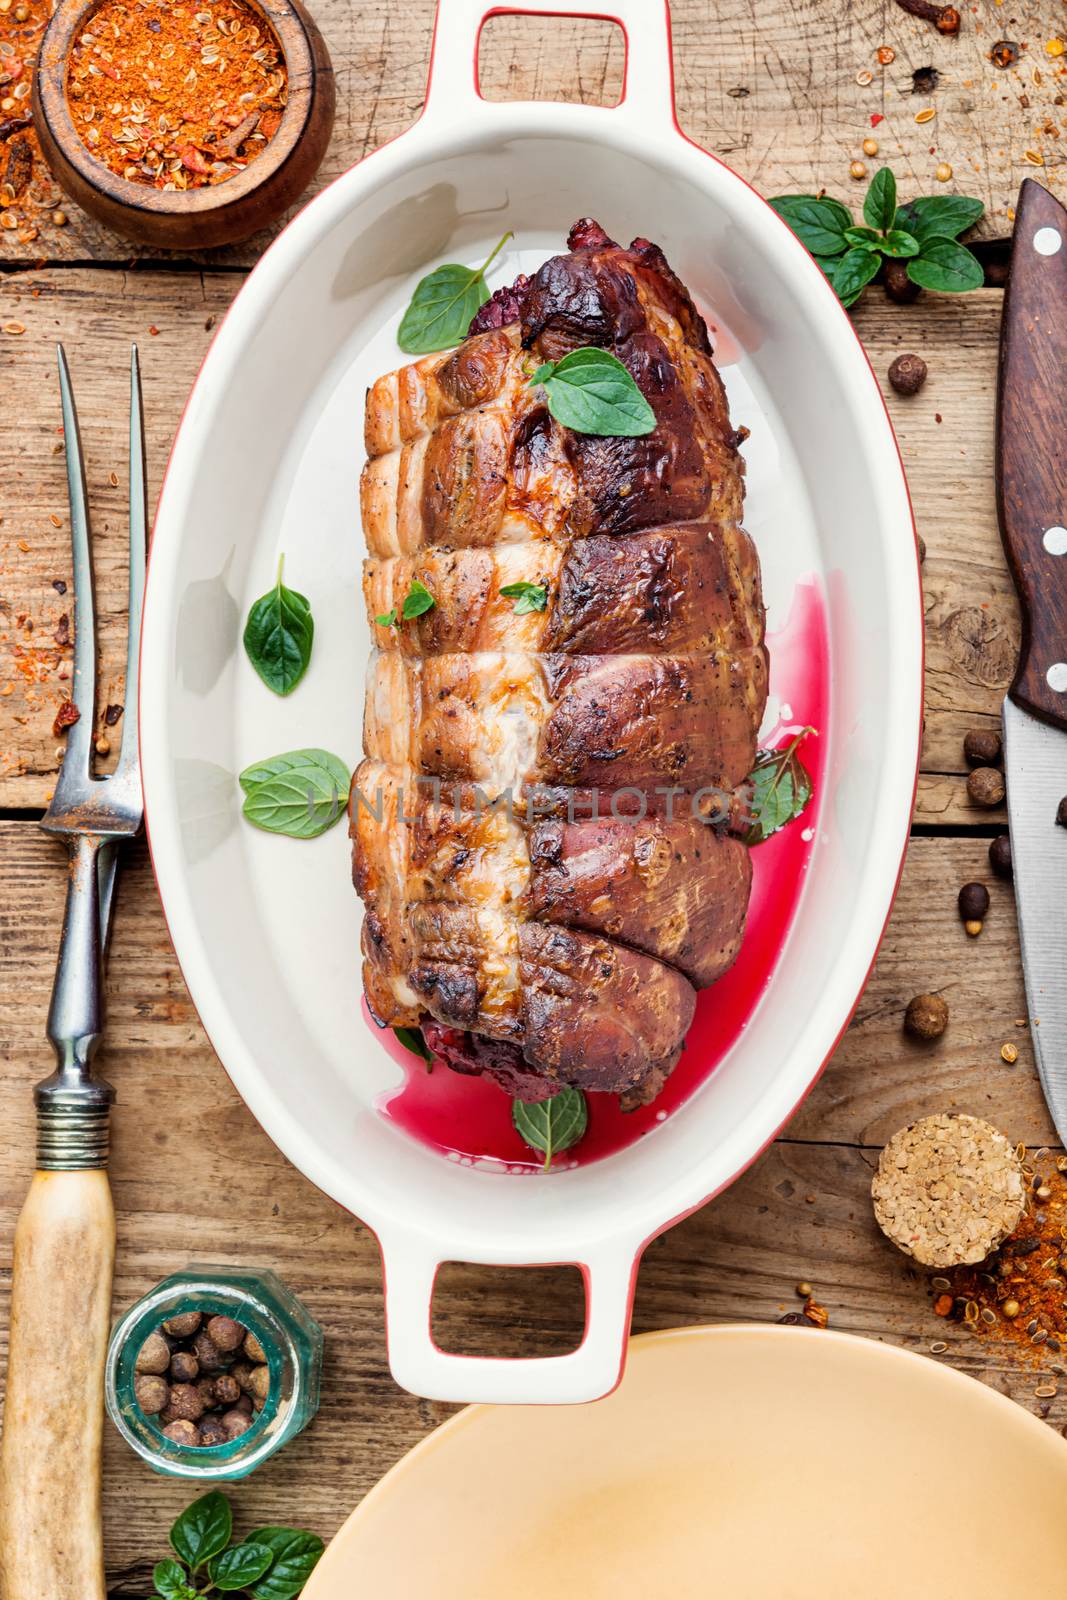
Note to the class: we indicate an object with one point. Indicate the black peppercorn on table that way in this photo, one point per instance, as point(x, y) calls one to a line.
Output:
point(193, 1176)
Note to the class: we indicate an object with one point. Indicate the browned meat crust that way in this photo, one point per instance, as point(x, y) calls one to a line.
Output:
point(509, 899)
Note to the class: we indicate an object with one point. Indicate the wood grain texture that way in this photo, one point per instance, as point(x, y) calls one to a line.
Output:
point(945, 434)
point(195, 1178)
point(770, 88)
point(50, 1525)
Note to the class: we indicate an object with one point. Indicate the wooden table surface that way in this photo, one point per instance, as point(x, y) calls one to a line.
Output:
point(773, 89)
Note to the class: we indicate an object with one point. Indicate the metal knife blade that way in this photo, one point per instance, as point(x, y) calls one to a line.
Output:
point(1032, 507)
point(1035, 756)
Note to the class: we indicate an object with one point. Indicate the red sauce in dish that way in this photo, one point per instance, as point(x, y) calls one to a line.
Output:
point(468, 1119)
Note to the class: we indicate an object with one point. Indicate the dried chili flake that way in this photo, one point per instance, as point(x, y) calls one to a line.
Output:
point(67, 715)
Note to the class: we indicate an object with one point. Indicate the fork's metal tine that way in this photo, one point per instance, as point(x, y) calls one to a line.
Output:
point(76, 760)
point(129, 749)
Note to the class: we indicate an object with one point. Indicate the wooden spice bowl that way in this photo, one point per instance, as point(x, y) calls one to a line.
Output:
point(204, 217)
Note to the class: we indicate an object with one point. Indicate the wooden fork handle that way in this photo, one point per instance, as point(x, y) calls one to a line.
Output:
point(51, 1542)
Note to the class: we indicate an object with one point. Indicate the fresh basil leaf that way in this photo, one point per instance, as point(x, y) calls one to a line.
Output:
point(880, 205)
point(591, 391)
point(443, 306)
point(544, 371)
point(899, 243)
point(818, 224)
point(865, 238)
point(295, 1556)
point(552, 1125)
point(417, 600)
point(412, 1039)
point(781, 788)
point(202, 1530)
point(278, 636)
point(941, 216)
point(946, 267)
point(240, 1566)
point(853, 273)
point(300, 793)
point(388, 620)
point(172, 1581)
point(527, 596)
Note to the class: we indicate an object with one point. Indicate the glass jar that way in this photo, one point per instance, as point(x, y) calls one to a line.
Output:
point(292, 1343)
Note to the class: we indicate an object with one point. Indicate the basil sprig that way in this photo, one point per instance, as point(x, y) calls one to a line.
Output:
point(278, 636)
point(554, 1125)
point(417, 601)
point(443, 306)
point(412, 1039)
point(300, 793)
point(271, 1564)
point(923, 233)
point(781, 788)
point(591, 391)
point(527, 596)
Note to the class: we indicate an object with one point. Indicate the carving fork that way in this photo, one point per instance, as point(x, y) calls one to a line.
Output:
point(51, 1542)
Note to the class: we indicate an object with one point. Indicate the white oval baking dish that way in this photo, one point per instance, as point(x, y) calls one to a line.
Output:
point(267, 458)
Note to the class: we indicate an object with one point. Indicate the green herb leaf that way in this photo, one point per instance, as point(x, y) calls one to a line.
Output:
point(880, 205)
point(443, 305)
point(300, 793)
point(172, 1581)
point(941, 216)
point(412, 1039)
point(899, 243)
point(591, 391)
point(818, 224)
point(781, 788)
point(240, 1566)
point(946, 267)
point(278, 636)
point(388, 620)
point(867, 238)
point(853, 273)
point(541, 373)
point(417, 600)
point(527, 596)
point(552, 1125)
point(295, 1555)
point(203, 1529)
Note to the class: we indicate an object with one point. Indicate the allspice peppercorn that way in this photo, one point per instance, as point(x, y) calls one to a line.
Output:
point(985, 786)
point(907, 374)
point(1061, 812)
point(982, 747)
point(898, 286)
point(926, 1016)
point(973, 902)
point(199, 1381)
point(1000, 855)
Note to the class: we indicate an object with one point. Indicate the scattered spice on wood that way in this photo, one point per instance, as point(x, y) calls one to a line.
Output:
point(926, 1016)
point(946, 19)
point(924, 80)
point(66, 717)
point(985, 786)
point(907, 373)
point(948, 1189)
point(1009, 1053)
point(982, 747)
point(1005, 53)
point(1021, 1288)
point(176, 96)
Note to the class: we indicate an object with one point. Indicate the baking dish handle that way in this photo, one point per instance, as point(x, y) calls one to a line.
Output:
point(452, 94)
point(588, 1373)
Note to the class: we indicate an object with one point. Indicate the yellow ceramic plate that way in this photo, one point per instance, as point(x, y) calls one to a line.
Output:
point(746, 1462)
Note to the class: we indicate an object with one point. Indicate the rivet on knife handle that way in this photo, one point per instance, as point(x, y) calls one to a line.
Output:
point(1032, 448)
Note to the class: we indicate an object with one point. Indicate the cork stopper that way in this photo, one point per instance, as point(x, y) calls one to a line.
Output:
point(948, 1190)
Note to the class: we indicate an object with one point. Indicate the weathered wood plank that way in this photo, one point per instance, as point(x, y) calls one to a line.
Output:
point(972, 624)
point(770, 88)
point(195, 1178)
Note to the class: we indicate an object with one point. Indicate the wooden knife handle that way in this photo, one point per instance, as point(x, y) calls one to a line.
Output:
point(1032, 448)
point(51, 1542)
